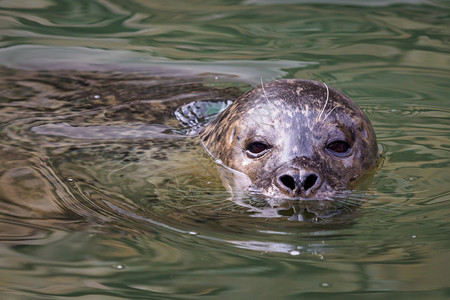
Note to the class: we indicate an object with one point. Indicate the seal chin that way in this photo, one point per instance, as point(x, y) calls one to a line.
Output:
point(321, 193)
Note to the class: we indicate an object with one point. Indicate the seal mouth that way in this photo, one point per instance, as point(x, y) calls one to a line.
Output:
point(273, 193)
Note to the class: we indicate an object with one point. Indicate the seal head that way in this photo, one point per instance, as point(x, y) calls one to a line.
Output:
point(294, 139)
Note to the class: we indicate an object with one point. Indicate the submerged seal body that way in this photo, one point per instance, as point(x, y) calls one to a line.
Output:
point(295, 139)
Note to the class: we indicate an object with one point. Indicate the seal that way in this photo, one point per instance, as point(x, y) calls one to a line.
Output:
point(295, 139)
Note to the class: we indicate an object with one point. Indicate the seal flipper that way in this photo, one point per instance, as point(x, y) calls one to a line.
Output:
point(193, 116)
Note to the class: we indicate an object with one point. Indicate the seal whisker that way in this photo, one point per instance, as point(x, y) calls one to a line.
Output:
point(326, 101)
point(265, 96)
point(326, 116)
point(268, 124)
point(264, 90)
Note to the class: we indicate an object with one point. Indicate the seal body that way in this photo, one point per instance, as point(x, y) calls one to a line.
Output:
point(294, 139)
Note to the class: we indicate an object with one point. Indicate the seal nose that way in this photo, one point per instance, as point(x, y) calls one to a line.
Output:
point(294, 183)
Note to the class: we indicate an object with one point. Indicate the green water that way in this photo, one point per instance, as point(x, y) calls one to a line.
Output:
point(90, 210)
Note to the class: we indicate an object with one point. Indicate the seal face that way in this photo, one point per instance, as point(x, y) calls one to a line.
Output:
point(294, 139)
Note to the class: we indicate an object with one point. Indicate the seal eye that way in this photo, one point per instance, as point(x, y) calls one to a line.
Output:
point(257, 149)
point(339, 148)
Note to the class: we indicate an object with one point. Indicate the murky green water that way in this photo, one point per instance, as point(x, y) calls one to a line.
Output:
point(103, 197)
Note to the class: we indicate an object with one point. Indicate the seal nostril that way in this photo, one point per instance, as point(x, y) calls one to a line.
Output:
point(309, 181)
point(288, 181)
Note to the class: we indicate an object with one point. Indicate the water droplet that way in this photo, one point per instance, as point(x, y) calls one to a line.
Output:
point(294, 252)
point(119, 267)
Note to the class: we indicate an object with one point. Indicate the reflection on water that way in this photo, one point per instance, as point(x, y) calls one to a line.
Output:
point(104, 194)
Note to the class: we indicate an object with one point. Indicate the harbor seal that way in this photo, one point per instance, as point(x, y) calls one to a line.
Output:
point(295, 139)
